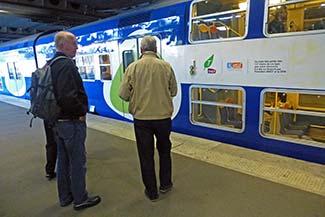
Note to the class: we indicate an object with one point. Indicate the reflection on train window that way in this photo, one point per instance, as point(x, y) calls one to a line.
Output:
point(217, 107)
point(295, 16)
point(105, 67)
point(14, 71)
point(86, 65)
point(293, 114)
point(218, 19)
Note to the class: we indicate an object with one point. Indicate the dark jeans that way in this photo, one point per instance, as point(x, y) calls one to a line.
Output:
point(71, 171)
point(51, 148)
point(145, 130)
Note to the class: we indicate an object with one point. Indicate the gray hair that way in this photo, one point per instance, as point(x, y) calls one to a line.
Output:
point(148, 43)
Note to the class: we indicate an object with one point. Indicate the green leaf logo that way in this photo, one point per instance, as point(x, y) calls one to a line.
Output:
point(117, 102)
point(209, 61)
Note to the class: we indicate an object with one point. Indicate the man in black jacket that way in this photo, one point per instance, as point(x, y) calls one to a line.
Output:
point(71, 125)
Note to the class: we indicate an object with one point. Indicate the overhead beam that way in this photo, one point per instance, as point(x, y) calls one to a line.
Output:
point(85, 14)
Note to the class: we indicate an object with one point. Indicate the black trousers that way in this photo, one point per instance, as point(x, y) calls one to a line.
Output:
point(145, 130)
point(51, 148)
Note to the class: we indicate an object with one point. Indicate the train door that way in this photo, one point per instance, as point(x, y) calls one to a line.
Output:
point(110, 75)
point(130, 51)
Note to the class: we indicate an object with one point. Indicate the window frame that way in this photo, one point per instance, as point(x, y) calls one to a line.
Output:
point(124, 62)
point(219, 127)
point(217, 14)
point(266, 15)
point(104, 64)
point(301, 141)
point(94, 62)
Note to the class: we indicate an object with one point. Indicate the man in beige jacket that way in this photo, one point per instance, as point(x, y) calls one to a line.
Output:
point(149, 85)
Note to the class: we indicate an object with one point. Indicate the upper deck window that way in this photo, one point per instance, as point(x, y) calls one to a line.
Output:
point(217, 19)
point(285, 16)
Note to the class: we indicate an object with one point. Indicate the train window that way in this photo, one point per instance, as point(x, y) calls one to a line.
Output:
point(217, 19)
point(14, 71)
point(128, 58)
point(86, 65)
point(217, 107)
point(295, 16)
point(105, 67)
point(1, 76)
point(295, 115)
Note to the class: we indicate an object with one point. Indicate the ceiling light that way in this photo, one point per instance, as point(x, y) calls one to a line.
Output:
point(221, 28)
point(274, 2)
point(242, 6)
point(4, 12)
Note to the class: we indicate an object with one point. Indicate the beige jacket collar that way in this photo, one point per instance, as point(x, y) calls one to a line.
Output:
point(149, 53)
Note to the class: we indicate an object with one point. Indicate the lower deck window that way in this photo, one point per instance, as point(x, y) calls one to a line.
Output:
point(292, 114)
point(217, 107)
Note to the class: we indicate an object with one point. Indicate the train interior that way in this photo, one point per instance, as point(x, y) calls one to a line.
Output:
point(294, 114)
point(285, 114)
point(217, 107)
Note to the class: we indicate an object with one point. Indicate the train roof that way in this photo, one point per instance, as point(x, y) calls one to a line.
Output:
point(153, 6)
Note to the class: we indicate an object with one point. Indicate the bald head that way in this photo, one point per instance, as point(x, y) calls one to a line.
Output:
point(148, 43)
point(66, 43)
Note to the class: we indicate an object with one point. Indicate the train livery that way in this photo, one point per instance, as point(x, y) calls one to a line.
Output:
point(249, 72)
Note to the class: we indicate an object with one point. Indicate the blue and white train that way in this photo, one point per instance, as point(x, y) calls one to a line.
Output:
point(239, 83)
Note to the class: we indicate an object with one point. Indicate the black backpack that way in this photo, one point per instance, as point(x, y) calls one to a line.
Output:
point(43, 103)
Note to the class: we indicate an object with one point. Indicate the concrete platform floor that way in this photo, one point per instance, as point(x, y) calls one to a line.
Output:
point(201, 189)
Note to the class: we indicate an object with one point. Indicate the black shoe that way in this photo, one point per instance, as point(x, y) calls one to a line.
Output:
point(67, 203)
point(91, 201)
point(165, 189)
point(151, 196)
point(50, 176)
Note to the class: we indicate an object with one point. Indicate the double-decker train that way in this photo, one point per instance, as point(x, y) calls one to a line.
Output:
point(249, 72)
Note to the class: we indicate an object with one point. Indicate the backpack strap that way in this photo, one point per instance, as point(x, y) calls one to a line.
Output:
point(31, 120)
point(57, 58)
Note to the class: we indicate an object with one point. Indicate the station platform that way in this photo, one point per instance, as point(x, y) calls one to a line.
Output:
point(211, 179)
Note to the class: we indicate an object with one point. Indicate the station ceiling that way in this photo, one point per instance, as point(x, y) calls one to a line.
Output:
point(20, 18)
